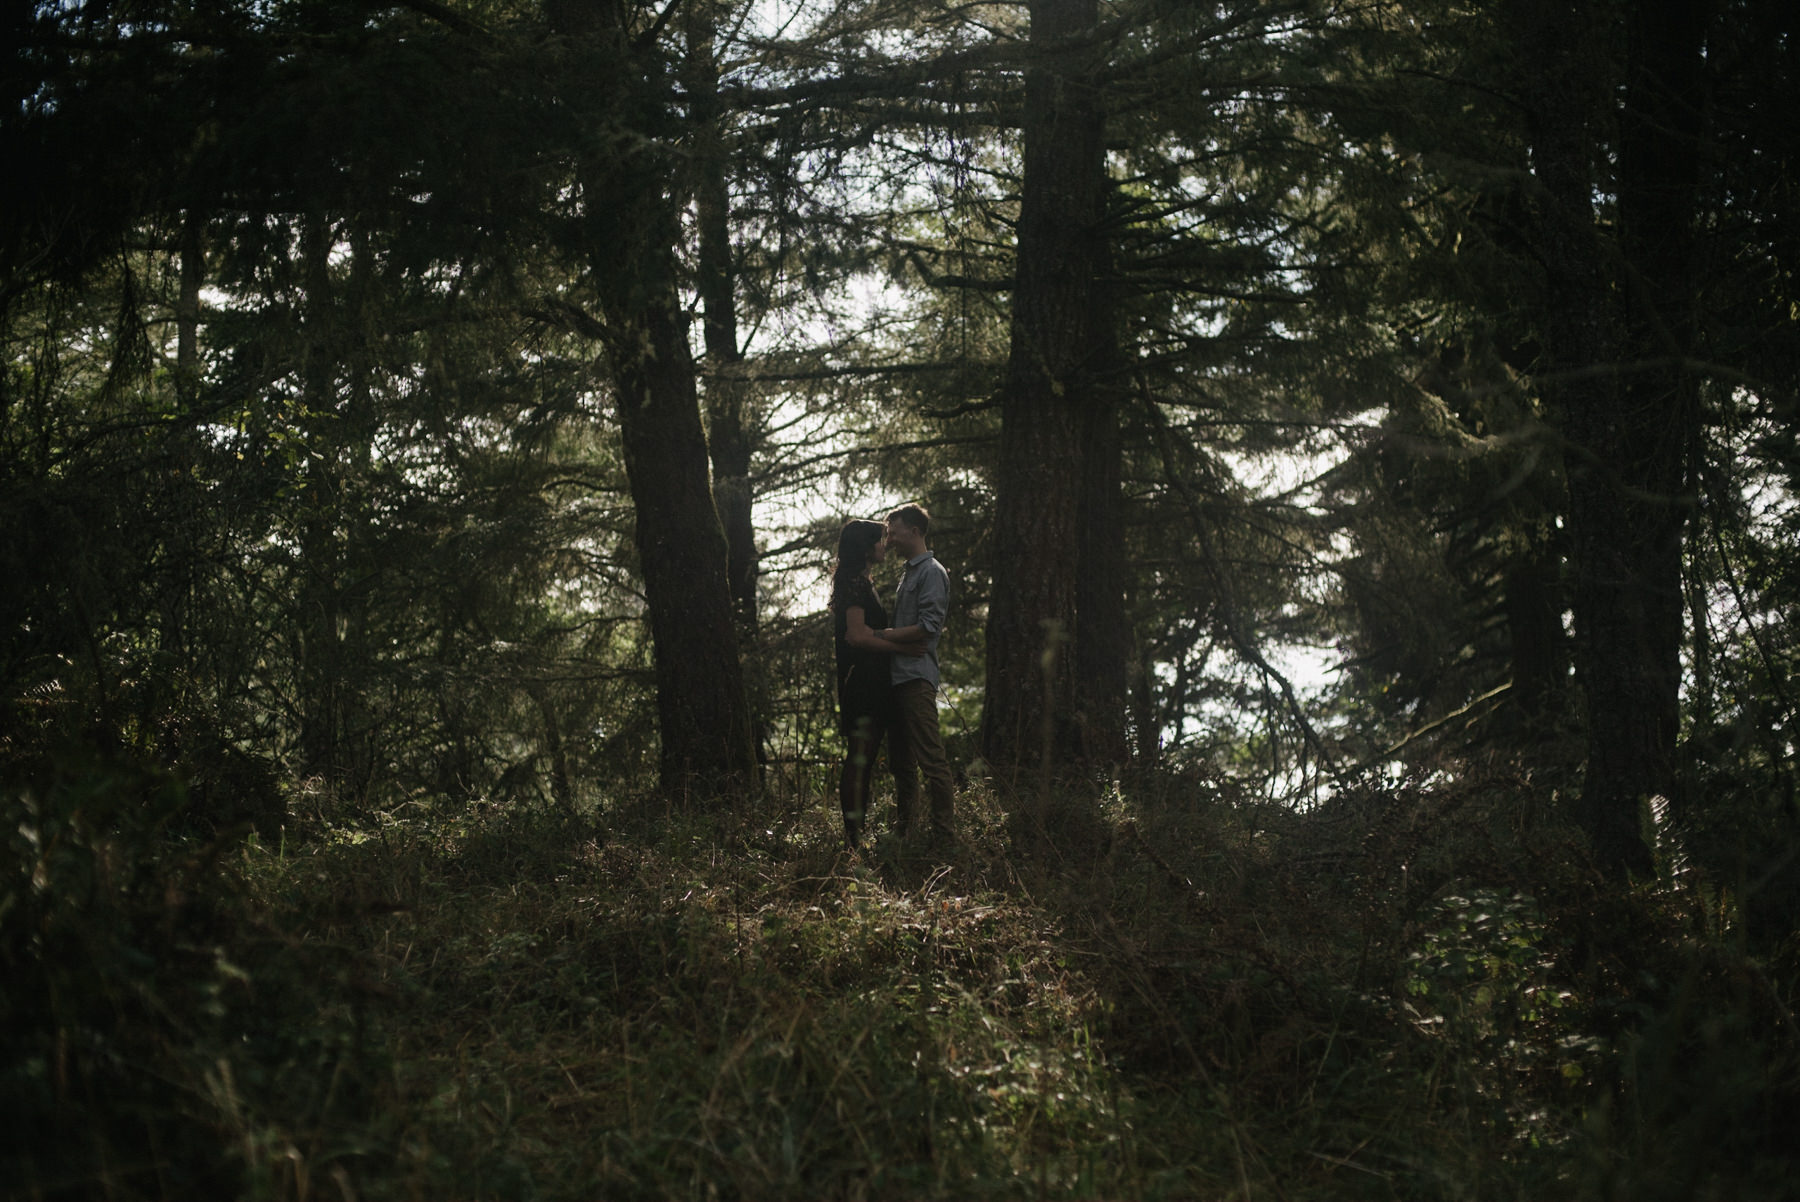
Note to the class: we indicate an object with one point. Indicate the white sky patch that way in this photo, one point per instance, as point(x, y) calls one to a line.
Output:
point(808, 436)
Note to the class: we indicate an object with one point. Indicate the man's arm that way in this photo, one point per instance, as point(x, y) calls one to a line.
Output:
point(933, 599)
point(908, 640)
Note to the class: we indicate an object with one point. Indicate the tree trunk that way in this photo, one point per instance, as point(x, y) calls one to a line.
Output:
point(701, 712)
point(631, 227)
point(562, 780)
point(336, 725)
point(1630, 495)
point(1629, 432)
point(187, 303)
point(729, 436)
point(1051, 408)
point(321, 553)
point(1146, 727)
point(729, 433)
point(1532, 601)
point(1102, 633)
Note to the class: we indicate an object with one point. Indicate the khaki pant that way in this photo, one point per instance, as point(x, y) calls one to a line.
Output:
point(915, 746)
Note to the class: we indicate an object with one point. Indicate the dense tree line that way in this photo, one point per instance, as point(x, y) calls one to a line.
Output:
point(392, 395)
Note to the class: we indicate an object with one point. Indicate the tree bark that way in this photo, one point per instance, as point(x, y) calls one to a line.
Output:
point(562, 780)
point(703, 719)
point(631, 228)
point(1052, 413)
point(192, 252)
point(1532, 602)
point(336, 532)
point(730, 434)
point(730, 438)
point(321, 659)
point(1611, 326)
point(1102, 633)
point(1630, 497)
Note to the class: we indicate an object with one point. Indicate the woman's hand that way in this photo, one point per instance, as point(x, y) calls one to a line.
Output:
point(857, 632)
point(908, 640)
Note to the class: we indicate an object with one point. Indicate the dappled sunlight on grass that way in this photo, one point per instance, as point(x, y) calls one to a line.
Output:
point(1153, 990)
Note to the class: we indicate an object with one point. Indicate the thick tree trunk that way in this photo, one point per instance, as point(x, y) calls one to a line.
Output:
point(1053, 408)
point(701, 711)
point(631, 228)
point(702, 716)
point(1102, 633)
point(1533, 605)
point(1629, 421)
point(1629, 497)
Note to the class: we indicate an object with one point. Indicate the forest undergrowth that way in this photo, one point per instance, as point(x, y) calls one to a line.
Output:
point(1142, 989)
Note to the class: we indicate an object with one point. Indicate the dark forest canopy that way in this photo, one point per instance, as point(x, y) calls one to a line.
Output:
point(459, 400)
point(433, 397)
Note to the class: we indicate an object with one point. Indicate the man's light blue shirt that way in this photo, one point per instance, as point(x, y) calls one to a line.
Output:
point(923, 600)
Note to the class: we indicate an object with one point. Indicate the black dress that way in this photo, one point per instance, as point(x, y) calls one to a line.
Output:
point(863, 677)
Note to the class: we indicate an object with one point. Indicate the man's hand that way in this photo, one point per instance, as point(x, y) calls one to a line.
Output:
point(907, 641)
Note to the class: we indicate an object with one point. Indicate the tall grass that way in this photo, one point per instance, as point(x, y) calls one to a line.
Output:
point(1150, 990)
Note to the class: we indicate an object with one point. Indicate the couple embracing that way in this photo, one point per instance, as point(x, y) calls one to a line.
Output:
point(887, 675)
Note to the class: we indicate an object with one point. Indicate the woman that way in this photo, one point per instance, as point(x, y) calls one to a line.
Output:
point(863, 666)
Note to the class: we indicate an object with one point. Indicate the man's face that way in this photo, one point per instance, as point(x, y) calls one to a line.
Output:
point(898, 535)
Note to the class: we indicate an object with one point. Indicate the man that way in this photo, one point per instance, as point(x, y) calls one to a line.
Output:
point(916, 745)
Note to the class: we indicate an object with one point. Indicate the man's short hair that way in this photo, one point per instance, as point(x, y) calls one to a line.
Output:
point(913, 516)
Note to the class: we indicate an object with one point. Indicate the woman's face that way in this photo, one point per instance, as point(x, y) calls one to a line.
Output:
point(878, 550)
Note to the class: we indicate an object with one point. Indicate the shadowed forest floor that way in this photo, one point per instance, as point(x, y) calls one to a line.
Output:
point(1158, 992)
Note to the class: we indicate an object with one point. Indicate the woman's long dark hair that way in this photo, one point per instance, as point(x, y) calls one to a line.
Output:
point(855, 541)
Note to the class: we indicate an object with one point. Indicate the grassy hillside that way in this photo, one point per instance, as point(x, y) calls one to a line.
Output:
point(1154, 991)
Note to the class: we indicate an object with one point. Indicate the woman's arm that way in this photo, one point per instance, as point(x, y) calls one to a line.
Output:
point(909, 640)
